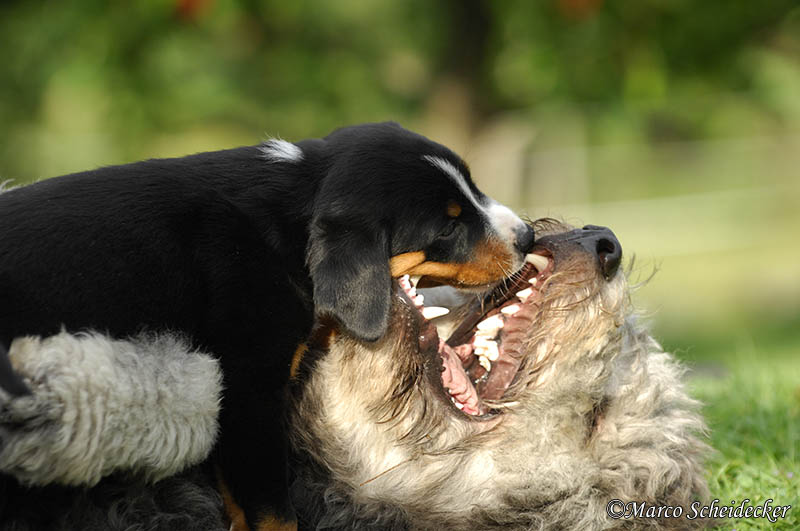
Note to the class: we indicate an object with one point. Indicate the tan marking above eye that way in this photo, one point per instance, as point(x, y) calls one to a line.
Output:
point(453, 209)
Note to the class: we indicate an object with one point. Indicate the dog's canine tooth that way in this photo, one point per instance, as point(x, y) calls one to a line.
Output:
point(511, 309)
point(419, 300)
point(524, 294)
point(533, 281)
point(432, 312)
point(414, 280)
point(539, 262)
point(485, 363)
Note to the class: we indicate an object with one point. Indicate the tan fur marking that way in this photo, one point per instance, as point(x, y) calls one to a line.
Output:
point(271, 523)
point(236, 514)
point(402, 263)
point(232, 509)
point(453, 209)
point(492, 263)
point(297, 358)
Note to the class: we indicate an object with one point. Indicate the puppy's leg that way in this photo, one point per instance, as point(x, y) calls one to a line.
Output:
point(253, 451)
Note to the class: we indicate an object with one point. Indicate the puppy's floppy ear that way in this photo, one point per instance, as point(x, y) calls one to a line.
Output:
point(349, 266)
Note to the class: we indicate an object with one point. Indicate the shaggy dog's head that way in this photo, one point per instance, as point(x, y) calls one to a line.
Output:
point(547, 401)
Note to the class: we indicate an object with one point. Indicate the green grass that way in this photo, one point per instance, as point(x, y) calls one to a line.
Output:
point(751, 391)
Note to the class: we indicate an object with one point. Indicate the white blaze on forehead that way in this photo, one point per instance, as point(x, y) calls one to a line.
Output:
point(277, 150)
point(447, 167)
point(500, 217)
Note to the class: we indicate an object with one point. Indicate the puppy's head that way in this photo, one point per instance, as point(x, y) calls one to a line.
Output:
point(393, 203)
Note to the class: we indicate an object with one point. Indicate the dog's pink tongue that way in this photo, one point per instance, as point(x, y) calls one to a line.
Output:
point(457, 382)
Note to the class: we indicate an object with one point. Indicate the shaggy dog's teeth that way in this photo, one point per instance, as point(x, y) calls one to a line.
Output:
point(408, 287)
point(432, 312)
point(414, 280)
point(524, 294)
point(481, 342)
point(492, 324)
point(485, 363)
point(511, 309)
point(419, 300)
point(492, 351)
point(486, 348)
point(533, 281)
point(458, 404)
point(539, 262)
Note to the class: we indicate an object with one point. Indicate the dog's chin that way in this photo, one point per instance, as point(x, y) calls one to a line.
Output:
point(483, 353)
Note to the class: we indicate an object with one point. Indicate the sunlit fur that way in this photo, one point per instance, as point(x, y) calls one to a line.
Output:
point(597, 412)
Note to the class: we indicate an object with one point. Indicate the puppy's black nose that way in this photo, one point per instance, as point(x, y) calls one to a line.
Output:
point(602, 242)
point(524, 238)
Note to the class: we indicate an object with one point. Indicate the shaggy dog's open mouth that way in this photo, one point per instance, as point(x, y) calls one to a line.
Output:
point(485, 349)
point(483, 353)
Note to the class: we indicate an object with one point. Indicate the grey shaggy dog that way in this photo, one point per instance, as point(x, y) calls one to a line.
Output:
point(596, 412)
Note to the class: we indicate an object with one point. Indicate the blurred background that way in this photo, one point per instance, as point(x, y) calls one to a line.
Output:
point(674, 122)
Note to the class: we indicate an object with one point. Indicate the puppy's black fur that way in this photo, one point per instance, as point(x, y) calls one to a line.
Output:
point(188, 501)
point(235, 249)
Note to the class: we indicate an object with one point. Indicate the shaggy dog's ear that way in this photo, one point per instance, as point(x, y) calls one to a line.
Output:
point(349, 266)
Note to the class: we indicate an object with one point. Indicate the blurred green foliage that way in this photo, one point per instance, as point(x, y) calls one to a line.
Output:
point(121, 80)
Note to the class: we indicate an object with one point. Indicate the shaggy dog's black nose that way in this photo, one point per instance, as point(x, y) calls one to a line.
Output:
point(602, 242)
point(524, 238)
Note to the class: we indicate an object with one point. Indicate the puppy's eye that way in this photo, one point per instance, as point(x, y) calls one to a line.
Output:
point(449, 230)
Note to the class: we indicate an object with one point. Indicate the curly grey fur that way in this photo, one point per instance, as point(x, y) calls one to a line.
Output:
point(100, 406)
point(597, 412)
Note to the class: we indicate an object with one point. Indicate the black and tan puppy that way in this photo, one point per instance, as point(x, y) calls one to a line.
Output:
point(236, 250)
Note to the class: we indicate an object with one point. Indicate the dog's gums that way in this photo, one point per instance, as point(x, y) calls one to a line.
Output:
point(483, 355)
